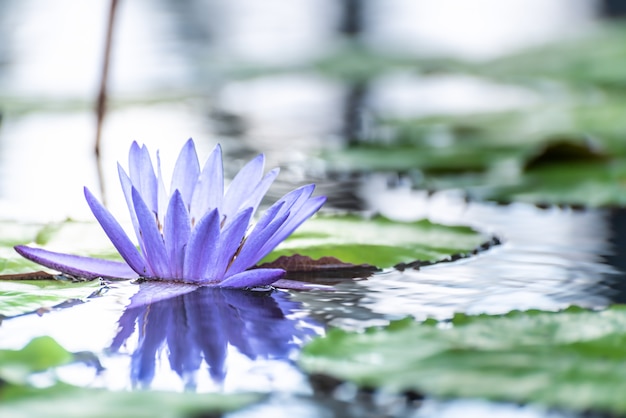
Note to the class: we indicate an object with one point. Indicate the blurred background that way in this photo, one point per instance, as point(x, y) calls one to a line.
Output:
point(302, 81)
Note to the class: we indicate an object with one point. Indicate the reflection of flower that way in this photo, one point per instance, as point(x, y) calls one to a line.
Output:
point(201, 325)
point(199, 234)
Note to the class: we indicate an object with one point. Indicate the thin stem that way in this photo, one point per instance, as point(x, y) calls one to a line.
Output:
point(101, 101)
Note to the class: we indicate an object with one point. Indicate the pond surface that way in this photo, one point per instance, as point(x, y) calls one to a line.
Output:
point(230, 341)
point(224, 340)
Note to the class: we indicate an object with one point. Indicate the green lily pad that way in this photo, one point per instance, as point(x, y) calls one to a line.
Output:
point(596, 57)
point(589, 184)
point(24, 296)
point(65, 401)
point(573, 359)
point(39, 354)
point(18, 399)
point(378, 241)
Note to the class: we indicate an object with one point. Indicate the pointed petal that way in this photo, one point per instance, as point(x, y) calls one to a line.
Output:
point(162, 196)
point(296, 198)
point(75, 265)
point(230, 239)
point(209, 191)
point(296, 219)
point(152, 240)
point(202, 245)
point(256, 196)
point(251, 278)
point(118, 237)
point(242, 186)
point(142, 175)
point(152, 291)
point(127, 188)
point(247, 257)
point(177, 230)
point(186, 172)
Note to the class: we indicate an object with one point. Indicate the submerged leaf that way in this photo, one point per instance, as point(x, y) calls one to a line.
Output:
point(572, 359)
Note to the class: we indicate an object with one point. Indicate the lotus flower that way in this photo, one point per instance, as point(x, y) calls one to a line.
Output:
point(199, 233)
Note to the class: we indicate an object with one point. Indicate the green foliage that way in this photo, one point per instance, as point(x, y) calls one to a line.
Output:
point(18, 399)
point(38, 355)
point(378, 241)
point(23, 296)
point(65, 401)
point(572, 359)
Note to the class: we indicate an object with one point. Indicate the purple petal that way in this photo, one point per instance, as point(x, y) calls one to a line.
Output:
point(209, 191)
point(202, 246)
point(186, 172)
point(177, 230)
point(118, 237)
point(247, 256)
point(162, 196)
point(251, 278)
point(152, 240)
point(75, 265)
point(243, 186)
point(127, 188)
point(259, 191)
point(296, 198)
point(152, 291)
point(142, 175)
point(296, 219)
point(231, 238)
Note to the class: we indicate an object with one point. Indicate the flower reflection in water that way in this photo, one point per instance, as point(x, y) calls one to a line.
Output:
point(201, 329)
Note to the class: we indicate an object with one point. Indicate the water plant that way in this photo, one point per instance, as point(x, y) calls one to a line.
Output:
point(200, 232)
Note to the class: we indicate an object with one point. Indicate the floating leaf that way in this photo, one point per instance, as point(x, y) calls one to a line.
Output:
point(379, 241)
point(64, 401)
point(572, 359)
point(24, 296)
point(589, 184)
point(39, 354)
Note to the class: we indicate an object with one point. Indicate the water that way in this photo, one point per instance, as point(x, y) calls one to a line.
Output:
point(174, 80)
point(254, 338)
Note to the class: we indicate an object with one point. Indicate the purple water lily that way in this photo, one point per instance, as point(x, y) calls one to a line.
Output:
point(200, 233)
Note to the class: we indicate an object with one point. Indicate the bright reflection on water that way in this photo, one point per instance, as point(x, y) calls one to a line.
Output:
point(203, 331)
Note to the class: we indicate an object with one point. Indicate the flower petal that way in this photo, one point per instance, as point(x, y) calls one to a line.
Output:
point(142, 175)
point(254, 277)
point(247, 257)
point(296, 218)
point(118, 237)
point(177, 230)
point(231, 238)
point(243, 186)
point(186, 172)
point(256, 196)
point(152, 240)
point(201, 246)
point(75, 265)
point(127, 188)
point(162, 196)
point(151, 291)
point(209, 191)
